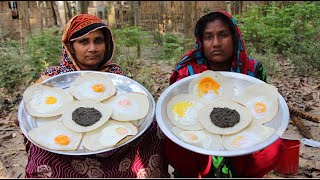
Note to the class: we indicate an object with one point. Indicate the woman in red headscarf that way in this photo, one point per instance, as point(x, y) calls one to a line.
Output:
point(219, 47)
point(87, 44)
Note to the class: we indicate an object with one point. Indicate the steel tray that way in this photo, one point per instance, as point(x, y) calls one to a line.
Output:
point(123, 84)
point(240, 81)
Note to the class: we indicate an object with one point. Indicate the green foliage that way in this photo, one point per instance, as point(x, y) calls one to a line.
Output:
point(306, 56)
point(13, 69)
point(130, 37)
point(143, 77)
point(287, 30)
point(44, 50)
point(174, 47)
point(267, 59)
point(19, 67)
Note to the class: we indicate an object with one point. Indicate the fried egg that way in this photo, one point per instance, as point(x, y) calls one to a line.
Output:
point(182, 111)
point(250, 136)
point(108, 135)
point(205, 120)
point(68, 115)
point(55, 136)
point(210, 85)
point(92, 86)
point(128, 106)
point(201, 138)
point(45, 101)
point(261, 100)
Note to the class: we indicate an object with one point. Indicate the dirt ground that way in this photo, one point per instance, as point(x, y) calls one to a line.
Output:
point(298, 91)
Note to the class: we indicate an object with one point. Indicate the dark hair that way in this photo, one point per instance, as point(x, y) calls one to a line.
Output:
point(204, 20)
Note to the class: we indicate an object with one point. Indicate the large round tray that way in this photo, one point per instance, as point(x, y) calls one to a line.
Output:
point(240, 81)
point(123, 84)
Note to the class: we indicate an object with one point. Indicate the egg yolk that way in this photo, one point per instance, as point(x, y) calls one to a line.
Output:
point(122, 131)
point(180, 108)
point(206, 84)
point(98, 87)
point(238, 140)
point(260, 107)
point(191, 136)
point(124, 102)
point(62, 140)
point(51, 100)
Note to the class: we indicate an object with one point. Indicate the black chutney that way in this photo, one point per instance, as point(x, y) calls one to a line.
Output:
point(86, 116)
point(224, 117)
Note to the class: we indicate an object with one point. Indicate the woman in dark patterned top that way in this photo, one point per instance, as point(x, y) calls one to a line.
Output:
point(219, 47)
point(87, 44)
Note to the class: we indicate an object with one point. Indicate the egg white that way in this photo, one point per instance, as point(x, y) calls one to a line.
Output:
point(38, 102)
point(106, 136)
point(82, 87)
point(44, 136)
point(189, 121)
point(225, 90)
point(250, 136)
point(131, 106)
point(35, 97)
point(262, 93)
point(203, 138)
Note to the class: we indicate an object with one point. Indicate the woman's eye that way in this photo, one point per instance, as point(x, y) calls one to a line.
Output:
point(207, 37)
point(224, 35)
point(83, 41)
point(99, 41)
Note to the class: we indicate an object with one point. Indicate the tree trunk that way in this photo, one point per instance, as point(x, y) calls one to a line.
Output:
point(188, 18)
point(20, 6)
point(56, 16)
point(67, 11)
point(41, 15)
point(273, 5)
point(120, 22)
point(21, 10)
point(196, 12)
point(161, 28)
point(228, 7)
point(136, 10)
point(111, 15)
point(83, 7)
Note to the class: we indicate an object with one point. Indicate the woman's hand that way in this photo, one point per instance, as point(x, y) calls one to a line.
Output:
point(42, 78)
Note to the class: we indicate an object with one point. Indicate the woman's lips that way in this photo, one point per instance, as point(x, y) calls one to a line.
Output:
point(217, 52)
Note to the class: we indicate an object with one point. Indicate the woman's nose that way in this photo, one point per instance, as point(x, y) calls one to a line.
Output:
point(92, 47)
point(216, 42)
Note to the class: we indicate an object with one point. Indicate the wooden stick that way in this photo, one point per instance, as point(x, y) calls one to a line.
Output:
point(301, 127)
point(304, 115)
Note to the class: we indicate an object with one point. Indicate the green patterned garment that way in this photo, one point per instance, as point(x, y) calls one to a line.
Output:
point(221, 168)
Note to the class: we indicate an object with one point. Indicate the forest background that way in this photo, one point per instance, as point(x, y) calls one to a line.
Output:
point(283, 36)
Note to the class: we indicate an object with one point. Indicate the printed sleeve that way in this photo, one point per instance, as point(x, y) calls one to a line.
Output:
point(260, 72)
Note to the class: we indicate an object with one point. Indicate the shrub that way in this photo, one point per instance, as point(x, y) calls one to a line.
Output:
point(13, 68)
point(289, 31)
point(174, 47)
point(20, 67)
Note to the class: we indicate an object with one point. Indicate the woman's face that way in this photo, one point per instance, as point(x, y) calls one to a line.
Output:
point(89, 50)
point(217, 42)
